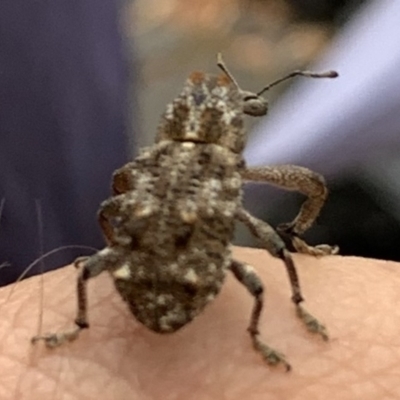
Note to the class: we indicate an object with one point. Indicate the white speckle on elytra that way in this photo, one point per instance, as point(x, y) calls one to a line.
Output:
point(229, 208)
point(143, 212)
point(191, 276)
point(212, 268)
point(123, 272)
point(164, 324)
point(210, 297)
point(214, 184)
point(161, 300)
point(167, 320)
point(188, 216)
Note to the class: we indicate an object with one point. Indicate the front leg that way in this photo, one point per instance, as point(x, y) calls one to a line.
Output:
point(305, 181)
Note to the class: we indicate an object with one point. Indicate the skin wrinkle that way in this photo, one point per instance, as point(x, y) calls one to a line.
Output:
point(212, 357)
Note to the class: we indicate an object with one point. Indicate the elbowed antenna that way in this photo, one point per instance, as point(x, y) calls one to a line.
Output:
point(224, 68)
point(307, 74)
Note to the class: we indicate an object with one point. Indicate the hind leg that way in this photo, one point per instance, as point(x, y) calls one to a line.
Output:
point(248, 277)
point(275, 246)
point(103, 260)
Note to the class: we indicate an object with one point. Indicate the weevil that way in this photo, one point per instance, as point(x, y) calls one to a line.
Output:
point(170, 221)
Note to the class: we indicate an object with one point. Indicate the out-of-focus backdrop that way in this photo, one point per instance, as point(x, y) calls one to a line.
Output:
point(260, 40)
point(83, 84)
point(347, 129)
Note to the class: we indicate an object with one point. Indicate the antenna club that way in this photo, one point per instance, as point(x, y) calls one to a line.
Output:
point(332, 74)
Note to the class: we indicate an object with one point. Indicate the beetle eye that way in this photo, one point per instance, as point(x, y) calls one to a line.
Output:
point(255, 106)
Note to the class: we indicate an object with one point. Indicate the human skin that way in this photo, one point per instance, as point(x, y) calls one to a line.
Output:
point(211, 358)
